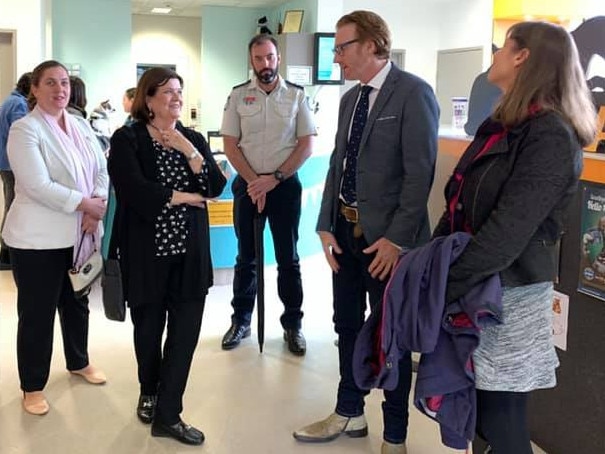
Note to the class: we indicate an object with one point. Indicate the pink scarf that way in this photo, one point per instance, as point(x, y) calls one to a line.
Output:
point(84, 158)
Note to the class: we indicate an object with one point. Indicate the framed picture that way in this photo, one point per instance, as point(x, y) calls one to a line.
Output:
point(142, 67)
point(293, 21)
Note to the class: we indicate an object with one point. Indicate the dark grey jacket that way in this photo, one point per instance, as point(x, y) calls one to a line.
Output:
point(395, 165)
point(514, 198)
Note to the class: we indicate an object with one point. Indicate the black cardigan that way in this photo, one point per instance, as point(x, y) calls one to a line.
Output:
point(514, 199)
point(140, 199)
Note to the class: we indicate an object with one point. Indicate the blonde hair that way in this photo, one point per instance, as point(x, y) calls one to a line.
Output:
point(551, 78)
point(369, 27)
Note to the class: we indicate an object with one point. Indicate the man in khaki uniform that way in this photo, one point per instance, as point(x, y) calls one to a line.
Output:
point(267, 132)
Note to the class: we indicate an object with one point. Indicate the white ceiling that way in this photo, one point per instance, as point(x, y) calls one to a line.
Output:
point(193, 7)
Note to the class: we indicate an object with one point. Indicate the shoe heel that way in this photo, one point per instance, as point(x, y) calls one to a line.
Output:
point(359, 433)
point(157, 431)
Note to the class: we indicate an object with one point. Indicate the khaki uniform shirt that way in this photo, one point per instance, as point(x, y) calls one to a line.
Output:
point(267, 125)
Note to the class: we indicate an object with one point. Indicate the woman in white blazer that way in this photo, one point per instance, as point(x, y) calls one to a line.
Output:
point(60, 191)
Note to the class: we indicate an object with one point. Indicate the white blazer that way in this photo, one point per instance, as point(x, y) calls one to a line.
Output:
point(43, 214)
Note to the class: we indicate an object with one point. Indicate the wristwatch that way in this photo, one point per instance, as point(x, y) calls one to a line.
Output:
point(279, 176)
point(193, 155)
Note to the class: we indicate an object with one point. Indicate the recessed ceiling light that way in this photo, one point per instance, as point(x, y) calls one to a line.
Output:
point(161, 10)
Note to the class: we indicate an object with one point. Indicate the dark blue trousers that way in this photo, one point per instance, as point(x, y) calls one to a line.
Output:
point(282, 209)
point(350, 286)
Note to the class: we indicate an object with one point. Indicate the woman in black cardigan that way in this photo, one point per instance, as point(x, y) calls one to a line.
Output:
point(163, 174)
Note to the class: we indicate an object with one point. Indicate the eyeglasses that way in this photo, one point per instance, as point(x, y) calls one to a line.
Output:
point(340, 49)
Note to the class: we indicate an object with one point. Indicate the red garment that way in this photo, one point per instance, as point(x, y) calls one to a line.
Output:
point(459, 177)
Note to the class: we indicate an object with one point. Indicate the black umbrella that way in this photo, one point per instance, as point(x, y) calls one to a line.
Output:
point(259, 252)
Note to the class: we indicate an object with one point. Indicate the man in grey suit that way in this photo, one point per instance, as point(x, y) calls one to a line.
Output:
point(374, 207)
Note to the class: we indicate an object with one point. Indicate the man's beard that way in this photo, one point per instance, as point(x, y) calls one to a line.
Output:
point(267, 75)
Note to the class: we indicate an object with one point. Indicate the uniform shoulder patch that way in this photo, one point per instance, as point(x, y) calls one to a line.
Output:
point(291, 84)
point(241, 85)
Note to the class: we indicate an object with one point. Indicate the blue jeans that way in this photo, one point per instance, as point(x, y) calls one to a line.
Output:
point(282, 209)
point(350, 286)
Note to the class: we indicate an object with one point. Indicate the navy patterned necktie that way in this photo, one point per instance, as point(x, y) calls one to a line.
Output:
point(349, 190)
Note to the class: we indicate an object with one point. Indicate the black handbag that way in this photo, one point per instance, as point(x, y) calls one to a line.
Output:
point(113, 294)
point(114, 304)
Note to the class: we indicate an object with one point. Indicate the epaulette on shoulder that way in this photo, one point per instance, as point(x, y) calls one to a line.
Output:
point(300, 87)
point(242, 84)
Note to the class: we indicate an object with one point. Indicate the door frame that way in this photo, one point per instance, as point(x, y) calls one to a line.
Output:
point(13, 34)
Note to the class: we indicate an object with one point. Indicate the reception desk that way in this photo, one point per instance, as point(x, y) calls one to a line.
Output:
point(571, 417)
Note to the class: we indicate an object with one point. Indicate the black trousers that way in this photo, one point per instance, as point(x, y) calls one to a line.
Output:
point(502, 423)
point(282, 209)
point(164, 370)
point(351, 285)
point(43, 288)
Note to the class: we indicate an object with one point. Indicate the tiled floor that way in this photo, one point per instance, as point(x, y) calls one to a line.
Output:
point(245, 402)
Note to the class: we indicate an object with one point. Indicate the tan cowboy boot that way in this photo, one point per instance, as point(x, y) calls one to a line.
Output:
point(332, 427)
point(393, 448)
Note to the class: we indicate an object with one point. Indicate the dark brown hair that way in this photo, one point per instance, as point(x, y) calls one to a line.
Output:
point(77, 97)
point(551, 78)
point(24, 84)
point(130, 93)
point(148, 85)
point(369, 27)
point(260, 39)
point(37, 74)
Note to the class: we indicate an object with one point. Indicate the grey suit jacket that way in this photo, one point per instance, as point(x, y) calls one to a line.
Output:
point(395, 165)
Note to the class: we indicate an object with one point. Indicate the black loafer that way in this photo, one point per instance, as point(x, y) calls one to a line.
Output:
point(146, 408)
point(234, 335)
point(180, 431)
point(296, 341)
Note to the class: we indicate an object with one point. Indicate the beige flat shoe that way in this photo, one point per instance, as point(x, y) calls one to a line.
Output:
point(35, 403)
point(91, 374)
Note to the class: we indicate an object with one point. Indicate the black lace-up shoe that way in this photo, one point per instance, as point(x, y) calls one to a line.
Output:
point(146, 408)
point(234, 335)
point(296, 341)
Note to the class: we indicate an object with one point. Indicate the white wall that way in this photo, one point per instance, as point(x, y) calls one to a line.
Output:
point(225, 57)
point(25, 16)
point(466, 23)
point(422, 28)
point(171, 40)
point(413, 28)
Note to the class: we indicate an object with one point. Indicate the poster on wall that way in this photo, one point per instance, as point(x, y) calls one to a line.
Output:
point(592, 241)
point(560, 310)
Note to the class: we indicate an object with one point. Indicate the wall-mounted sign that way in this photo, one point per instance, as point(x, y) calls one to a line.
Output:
point(592, 241)
point(301, 75)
